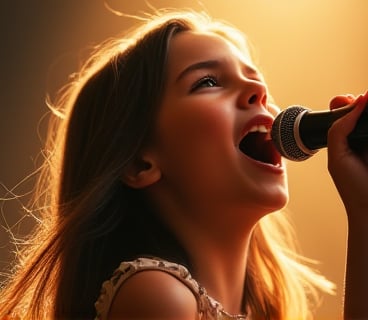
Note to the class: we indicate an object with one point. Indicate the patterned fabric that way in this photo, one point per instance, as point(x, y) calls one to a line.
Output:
point(208, 308)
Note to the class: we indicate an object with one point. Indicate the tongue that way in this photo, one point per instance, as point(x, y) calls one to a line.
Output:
point(255, 146)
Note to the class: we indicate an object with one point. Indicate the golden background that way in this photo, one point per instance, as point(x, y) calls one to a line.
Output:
point(308, 50)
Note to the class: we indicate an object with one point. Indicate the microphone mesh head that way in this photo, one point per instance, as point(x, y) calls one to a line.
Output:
point(283, 137)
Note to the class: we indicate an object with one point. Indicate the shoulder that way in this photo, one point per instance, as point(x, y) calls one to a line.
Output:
point(153, 294)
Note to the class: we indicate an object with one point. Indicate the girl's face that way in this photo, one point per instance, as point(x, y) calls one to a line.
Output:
point(212, 133)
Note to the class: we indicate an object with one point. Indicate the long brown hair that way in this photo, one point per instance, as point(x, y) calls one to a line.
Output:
point(90, 220)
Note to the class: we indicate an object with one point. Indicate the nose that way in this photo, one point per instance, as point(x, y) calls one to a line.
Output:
point(253, 94)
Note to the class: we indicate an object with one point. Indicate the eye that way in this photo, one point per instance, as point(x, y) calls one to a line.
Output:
point(204, 82)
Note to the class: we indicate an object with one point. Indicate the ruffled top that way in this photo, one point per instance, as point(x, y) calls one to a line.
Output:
point(208, 308)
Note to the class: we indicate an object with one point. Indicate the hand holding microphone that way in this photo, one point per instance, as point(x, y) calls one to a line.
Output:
point(298, 133)
point(349, 171)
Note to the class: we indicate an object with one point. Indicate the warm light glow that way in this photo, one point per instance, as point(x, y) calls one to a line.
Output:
point(309, 51)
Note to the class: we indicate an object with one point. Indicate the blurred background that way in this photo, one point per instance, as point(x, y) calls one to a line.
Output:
point(308, 50)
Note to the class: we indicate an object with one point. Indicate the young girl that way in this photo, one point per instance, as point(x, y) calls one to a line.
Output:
point(160, 166)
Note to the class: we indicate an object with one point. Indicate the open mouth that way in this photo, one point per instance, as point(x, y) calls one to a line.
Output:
point(257, 144)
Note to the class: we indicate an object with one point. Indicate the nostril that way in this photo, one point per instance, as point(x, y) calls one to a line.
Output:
point(252, 99)
point(255, 98)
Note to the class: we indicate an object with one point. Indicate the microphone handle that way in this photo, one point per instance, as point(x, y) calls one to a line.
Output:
point(313, 128)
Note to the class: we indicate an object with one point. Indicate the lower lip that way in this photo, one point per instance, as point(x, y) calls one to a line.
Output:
point(278, 169)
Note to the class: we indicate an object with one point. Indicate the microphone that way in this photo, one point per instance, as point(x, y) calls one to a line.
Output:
point(298, 133)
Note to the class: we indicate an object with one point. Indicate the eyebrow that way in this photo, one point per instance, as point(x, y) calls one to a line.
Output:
point(211, 64)
point(208, 64)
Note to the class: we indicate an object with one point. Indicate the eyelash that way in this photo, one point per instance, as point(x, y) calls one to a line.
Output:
point(199, 83)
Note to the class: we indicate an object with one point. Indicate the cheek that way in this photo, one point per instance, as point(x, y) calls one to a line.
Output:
point(194, 137)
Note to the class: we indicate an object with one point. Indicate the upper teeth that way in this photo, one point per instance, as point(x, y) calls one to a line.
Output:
point(259, 128)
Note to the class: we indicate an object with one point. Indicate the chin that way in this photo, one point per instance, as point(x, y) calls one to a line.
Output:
point(280, 201)
point(273, 202)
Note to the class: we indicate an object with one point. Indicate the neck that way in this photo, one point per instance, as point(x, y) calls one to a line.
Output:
point(217, 250)
point(216, 237)
point(221, 269)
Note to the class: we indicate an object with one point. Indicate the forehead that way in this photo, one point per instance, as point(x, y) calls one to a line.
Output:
point(191, 46)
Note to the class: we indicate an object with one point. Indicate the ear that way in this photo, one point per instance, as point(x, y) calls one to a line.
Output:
point(142, 172)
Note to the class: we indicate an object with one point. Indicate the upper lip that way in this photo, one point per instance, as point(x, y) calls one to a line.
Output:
point(258, 120)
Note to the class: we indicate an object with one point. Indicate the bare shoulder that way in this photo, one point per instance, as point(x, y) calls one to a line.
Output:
point(154, 294)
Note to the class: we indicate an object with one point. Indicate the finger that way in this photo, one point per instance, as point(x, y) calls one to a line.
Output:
point(341, 100)
point(341, 128)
